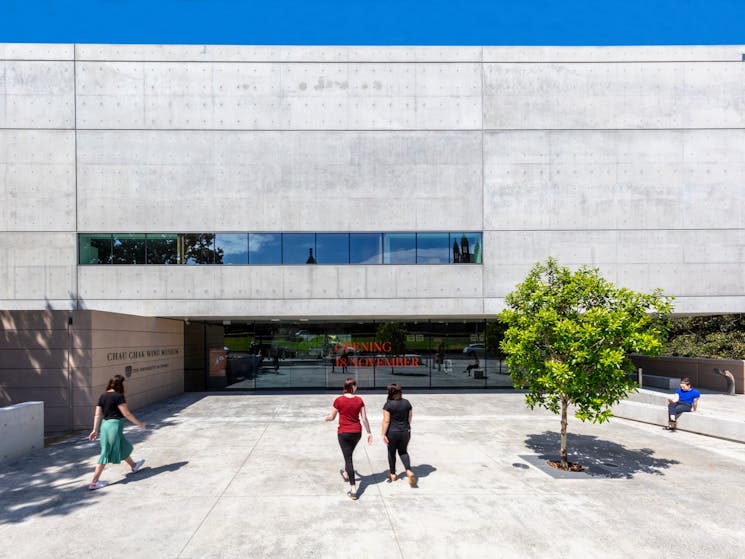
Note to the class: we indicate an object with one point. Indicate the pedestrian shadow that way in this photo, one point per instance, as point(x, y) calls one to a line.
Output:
point(600, 457)
point(421, 471)
point(147, 472)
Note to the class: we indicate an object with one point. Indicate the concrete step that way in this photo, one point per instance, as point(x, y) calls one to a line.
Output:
point(653, 409)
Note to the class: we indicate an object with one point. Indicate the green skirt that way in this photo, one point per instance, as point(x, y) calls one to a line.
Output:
point(114, 446)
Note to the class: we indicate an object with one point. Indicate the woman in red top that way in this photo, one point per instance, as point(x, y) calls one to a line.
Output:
point(350, 409)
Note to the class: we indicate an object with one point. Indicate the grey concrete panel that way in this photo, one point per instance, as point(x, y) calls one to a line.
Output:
point(262, 53)
point(614, 95)
point(263, 309)
point(37, 180)
point(325, 283)
point(689, 53)
point(37, 266)
point(640, 260)
point(36, 51)
point(279, 96)
point(37, 94)
point(648, 179)
point(267, 181)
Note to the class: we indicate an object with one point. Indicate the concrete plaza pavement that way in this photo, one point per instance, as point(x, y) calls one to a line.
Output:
point(256, 476)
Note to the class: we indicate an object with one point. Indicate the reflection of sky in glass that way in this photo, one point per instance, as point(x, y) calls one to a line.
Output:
point(234, 247)
point(265, 248)
point(332, 248)
point(433, 248)
point(365, 248)
point(399, 248)
point(295, 247)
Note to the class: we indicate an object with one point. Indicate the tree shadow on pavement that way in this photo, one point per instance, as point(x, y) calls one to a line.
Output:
point(53, 480)
point(601, 458)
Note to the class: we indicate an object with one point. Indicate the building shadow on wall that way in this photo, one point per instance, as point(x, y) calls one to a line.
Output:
point(601, 457)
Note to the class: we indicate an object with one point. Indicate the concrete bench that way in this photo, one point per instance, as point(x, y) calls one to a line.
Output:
point(657, 381)
point(21, 429)
point(648, 406)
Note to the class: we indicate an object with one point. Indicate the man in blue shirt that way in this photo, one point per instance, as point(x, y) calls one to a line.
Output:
point(685, 399)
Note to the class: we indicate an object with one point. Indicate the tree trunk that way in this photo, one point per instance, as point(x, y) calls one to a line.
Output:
point(563, 454)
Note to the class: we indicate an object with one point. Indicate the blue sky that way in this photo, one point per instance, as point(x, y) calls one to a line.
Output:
point(385, 22)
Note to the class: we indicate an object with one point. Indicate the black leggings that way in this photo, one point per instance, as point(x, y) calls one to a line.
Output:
point(398, 441)
point(347, 442)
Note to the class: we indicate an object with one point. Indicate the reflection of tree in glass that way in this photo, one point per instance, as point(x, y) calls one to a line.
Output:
point(199, 248)
point(395, 333)
point(162, 250)
point(129, 250)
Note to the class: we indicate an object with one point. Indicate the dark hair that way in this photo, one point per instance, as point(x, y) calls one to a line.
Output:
point(685, 380)
point(349, 385)
point(116, 383)
point(394, 391)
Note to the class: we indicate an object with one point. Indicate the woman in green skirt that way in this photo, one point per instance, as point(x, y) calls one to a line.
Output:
point(111, 412)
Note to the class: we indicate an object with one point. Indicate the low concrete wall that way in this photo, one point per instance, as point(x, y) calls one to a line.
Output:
point(699, 370)
point(65, 358)
point(21, 429)
point(648, 406)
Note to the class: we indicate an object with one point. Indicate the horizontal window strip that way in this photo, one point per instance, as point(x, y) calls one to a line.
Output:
point(267, 248)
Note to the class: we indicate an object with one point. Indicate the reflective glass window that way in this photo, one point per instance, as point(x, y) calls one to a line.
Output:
point(466, 248)
point(199, 248)
point(399, 248)
point(265, 248)
point(432, 248)
point(232, 248)
point(162, 248)
point(129, 248)
point(298, 248)
point(332, 248)
point(365, 248)
point(95, 248)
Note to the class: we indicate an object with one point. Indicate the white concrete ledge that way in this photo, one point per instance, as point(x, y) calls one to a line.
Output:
point(21, 429)
point(651, 407)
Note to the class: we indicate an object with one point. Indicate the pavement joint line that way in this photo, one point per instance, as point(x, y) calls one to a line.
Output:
point(385, 506)
point(222, 494)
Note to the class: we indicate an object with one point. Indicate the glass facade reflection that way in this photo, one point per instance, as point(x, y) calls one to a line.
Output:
point(365, 248)
point(399, 248)
point(280, 248)
point(423, 354)
point(265, 248)
point(233, 247)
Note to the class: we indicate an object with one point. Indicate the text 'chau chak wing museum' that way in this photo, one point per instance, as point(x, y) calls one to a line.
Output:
point(234, 217)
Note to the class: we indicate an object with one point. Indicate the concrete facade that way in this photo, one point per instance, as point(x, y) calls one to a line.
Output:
point(65, 359)
point(628, 159)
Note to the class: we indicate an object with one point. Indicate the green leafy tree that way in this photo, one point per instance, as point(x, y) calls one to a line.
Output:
point(715, 336)
point(567, 339)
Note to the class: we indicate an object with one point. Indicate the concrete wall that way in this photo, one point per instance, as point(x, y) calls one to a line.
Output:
point(66, 358)
point(630, 159)
point(21, 429)
point(699, 370)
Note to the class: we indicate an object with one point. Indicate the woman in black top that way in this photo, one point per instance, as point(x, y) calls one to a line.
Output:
point(397, 413)
point(111, 411)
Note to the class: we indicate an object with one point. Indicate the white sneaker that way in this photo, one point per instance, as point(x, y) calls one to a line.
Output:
point(137, 466)
point(97, 485)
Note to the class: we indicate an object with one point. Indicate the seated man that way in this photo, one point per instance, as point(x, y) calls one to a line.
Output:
point(685, 399)
point(474, 365)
